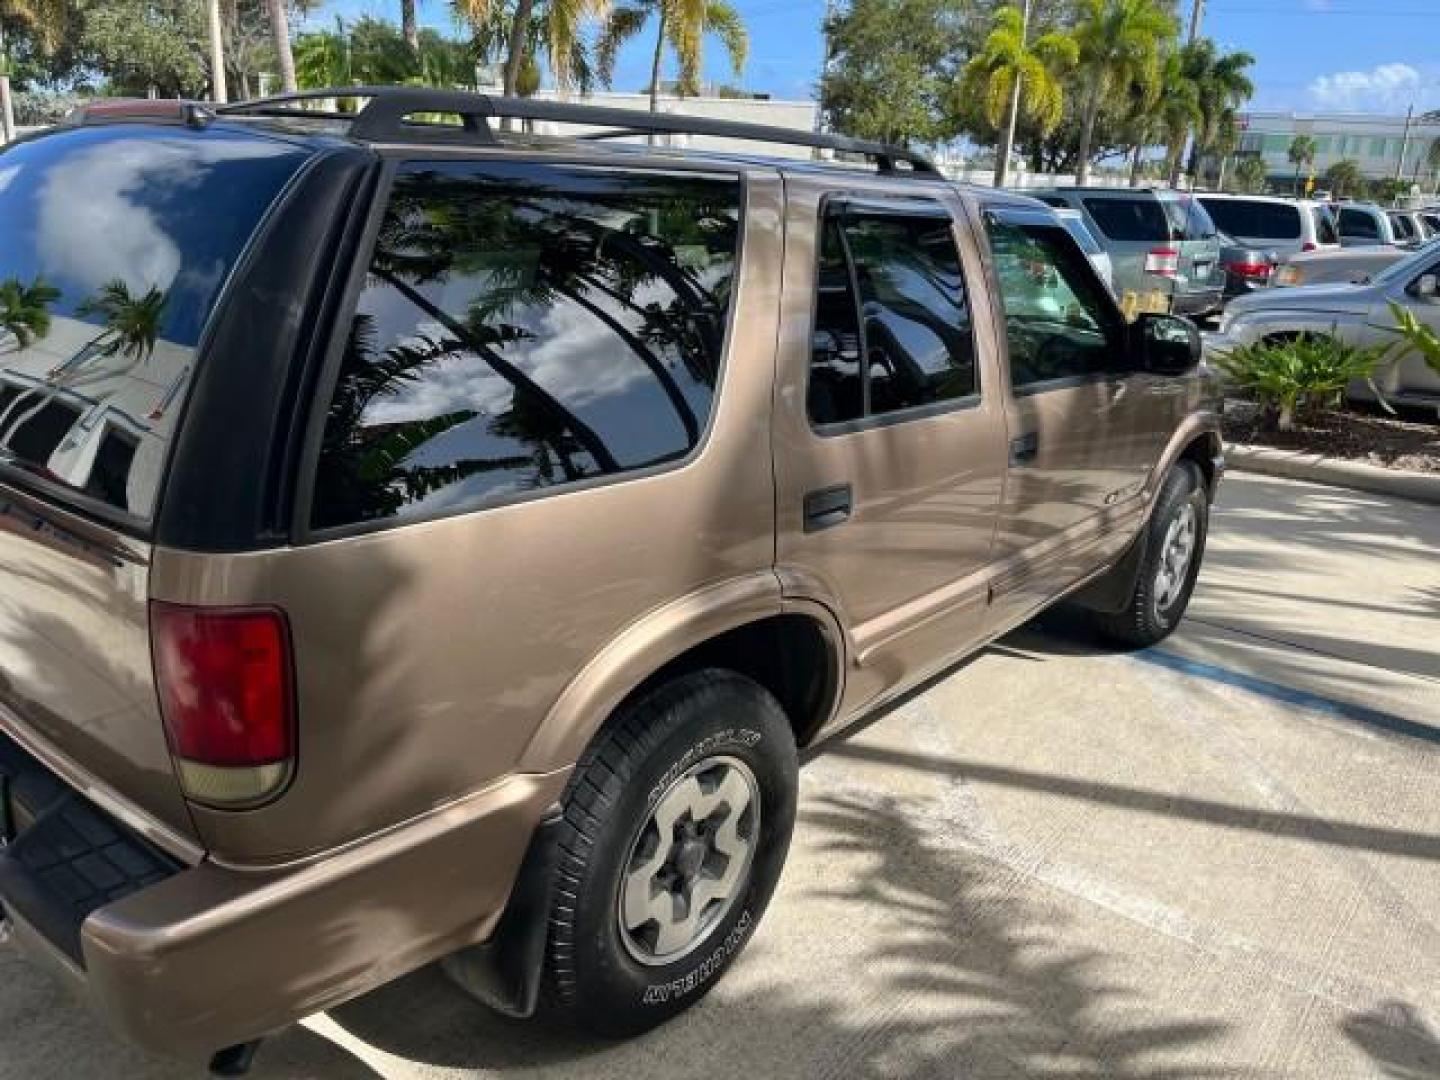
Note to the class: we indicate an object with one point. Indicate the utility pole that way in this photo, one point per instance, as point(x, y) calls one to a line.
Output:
point(7, 107)
point(1404, 146)
point(1197, 13)
point(217, 55)
point(1002, 152)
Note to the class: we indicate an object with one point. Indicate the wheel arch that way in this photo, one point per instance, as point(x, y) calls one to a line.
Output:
point(795, 651)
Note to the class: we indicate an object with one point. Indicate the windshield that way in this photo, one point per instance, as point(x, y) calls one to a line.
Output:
point(117, 242)
point(1410, 265)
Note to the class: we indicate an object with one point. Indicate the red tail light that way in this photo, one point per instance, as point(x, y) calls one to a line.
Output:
point(226, 690)
point(1309, 245)
point(1255, 270)
point(1163, 261)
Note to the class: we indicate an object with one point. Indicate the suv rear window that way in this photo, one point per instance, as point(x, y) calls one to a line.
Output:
point(117, 242)
point(1358, 223)
point(1135, 219)
point(1255, 219)
point(1324, 226)
point(1188, 218)
point(524, 328)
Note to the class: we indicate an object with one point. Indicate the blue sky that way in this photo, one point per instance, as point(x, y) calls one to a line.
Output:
point(1312, 55)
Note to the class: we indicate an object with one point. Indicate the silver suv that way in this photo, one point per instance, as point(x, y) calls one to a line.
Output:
point(1157, 240)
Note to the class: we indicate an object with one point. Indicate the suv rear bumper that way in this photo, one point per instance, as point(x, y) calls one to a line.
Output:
point(198, 958)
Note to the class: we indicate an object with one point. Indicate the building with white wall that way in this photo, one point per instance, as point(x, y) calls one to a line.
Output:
point(1374, 142)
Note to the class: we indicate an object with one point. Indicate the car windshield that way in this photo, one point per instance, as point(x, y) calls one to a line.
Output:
point(117, 243)
point(1408, 266)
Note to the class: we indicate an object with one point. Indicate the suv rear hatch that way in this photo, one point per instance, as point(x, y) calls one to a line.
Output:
point(119, 240)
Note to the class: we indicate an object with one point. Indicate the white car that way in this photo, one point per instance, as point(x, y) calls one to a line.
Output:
point(1355, 314)
point(1346, 266)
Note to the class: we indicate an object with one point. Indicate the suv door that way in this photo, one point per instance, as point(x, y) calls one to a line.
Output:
point(889, 445)
point(1085, 427)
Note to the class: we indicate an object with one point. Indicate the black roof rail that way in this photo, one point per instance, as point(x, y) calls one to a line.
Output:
point(386, 118)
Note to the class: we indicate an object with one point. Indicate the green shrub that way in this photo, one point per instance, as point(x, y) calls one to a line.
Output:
point(1300, 377)
point(1417, 335)
point(39, 108)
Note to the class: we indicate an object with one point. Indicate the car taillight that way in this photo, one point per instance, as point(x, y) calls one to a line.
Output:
point(226, 688)
point(1309, 245)
point(1259, 271)
point(1163, 261)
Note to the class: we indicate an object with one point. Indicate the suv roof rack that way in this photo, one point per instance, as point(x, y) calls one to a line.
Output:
point(386, 118)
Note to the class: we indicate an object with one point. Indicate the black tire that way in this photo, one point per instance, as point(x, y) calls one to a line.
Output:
point(594, 979)
point(1153, 612)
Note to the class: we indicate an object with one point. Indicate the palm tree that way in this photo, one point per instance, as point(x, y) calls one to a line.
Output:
point(131, 323)
point(683, 25)
point(1166, 119)
point(559, 23)
point(1344, 176)
point(25, 309)
point(1301, 154)
point(1005, 63)
point(1250, 174)
point(1121, 43)
point(1223, 86)
point(280, 30)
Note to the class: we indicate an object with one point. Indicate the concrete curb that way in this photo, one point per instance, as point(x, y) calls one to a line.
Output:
point(1318, 469)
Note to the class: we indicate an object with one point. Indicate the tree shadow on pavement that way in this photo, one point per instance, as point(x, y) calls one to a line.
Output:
point(902, 958)
point(1397, 1039)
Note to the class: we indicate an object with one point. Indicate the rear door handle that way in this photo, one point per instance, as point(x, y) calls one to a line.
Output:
point(827, 507)
point(1024, 448)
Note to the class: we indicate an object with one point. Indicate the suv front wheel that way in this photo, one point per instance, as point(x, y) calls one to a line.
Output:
point(1174, 547)
point(677, 823)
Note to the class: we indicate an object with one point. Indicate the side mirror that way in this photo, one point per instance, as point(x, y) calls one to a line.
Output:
point(1426, 286)
point(1165, 344)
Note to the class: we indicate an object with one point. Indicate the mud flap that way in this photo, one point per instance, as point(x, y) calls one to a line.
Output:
point(1111, 591)
point(504, 972)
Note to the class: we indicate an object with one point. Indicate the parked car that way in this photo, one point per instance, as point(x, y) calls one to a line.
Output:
point(1355, 314)
point(424, 541)
point(1348, 265)
point(1269, 223)
point(1364, 225)
point(1074, 223)
point(1246, 267)
point(1158, 241)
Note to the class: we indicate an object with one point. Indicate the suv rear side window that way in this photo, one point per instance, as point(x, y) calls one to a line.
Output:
point(523, 328)
point(116, 243)
point(1324, 226)
point(1358, 223)
point(911, 324)
point(1255, 219)
point(1130, 219)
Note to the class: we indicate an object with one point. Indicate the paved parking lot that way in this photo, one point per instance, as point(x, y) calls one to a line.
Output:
point(1217, 858)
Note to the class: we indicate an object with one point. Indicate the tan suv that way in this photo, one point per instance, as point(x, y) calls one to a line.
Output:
point(422, 540)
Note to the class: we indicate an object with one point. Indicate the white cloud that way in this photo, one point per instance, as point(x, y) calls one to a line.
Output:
point(1387, 88)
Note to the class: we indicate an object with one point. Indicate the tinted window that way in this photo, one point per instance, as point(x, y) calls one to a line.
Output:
point(1324, 226)
point(1130, 219)
point(1188, 219)
point(1404, 230)
point(525, 328)
point(1255, 220)
point(1058, 321)
point(117, 241)
point(1358, 223)
point(912, 313)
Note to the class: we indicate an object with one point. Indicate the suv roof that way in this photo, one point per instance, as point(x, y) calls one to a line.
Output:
point(388, 116)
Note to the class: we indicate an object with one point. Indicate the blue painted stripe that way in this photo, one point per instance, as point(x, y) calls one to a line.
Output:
point(1288, 695)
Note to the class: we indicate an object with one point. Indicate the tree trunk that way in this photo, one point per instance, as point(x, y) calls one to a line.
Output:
point(1087, 135)
point(1135, 156)
point(1174, 150)
point(280, 28)
point(409, 26)
point(655, 63)
point(515, 56)
point(1297, 179)
point(218, 90)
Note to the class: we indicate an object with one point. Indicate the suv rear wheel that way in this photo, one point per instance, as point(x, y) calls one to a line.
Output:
point(677, 823)
point(1174, 547)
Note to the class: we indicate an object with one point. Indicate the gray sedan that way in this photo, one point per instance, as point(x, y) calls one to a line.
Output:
point(1356, 314)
